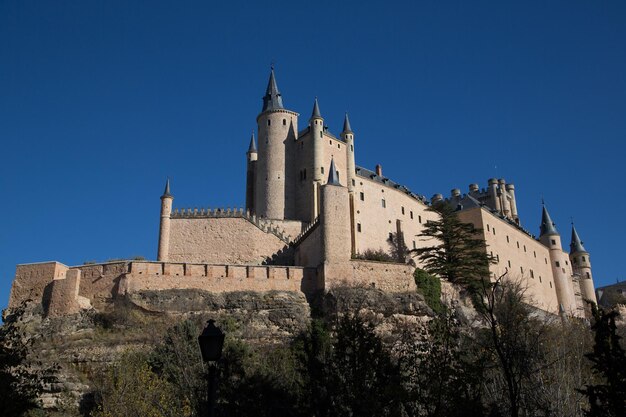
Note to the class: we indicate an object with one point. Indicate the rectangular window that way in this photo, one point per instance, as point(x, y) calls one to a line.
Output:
point(532, 274)
point(509, 263)
point(517, 244)
point(583, 259)
point(362, 196)
point(558, 264)
point(550, 284)
point(415, 247)
point(411, 213)
point(419, 219)
point(358, 227)
point(383, 203)
point(524, 248)
point(488, 228)
point(402, 210)
point(553, 241)
point(494, 230)
point(507, 239)
point(534, 254)
point(497, 258)
point(322, 170)
point(353, 182)
point(539, 278)
point(390, 236)
point(521, 269)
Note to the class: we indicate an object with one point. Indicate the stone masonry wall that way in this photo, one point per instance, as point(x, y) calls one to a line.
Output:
point(220, 240)
point(386, 276)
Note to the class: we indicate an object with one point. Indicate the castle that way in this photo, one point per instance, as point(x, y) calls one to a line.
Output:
point(309, 209)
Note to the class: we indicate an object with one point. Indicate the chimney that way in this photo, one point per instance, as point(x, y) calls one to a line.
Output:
point(379, 170)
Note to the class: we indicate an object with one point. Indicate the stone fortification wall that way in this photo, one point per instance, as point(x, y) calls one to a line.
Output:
point(31, 281)
point(65, 290)
point(308, 246)
point(389, 277)
point(221, 240)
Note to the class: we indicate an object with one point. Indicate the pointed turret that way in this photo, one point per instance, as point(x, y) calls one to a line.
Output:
point(272, 99)
point(333, 178)
point(346, 125)
point(252, 147)
point(164, 228)
point(576, 246)
point(547, 225)
point(316, 111)
point(166, 193)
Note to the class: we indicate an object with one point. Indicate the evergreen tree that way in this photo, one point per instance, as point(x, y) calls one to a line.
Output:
point(607, 399)
point(459, 254)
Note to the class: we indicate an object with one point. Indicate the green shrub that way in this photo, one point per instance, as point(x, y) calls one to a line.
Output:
point(430, 287)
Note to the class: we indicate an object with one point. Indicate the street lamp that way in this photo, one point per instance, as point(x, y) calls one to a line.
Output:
point(211, 342)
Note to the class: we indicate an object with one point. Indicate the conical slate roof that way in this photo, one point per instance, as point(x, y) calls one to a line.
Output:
point(166, 193)
point(252, 147)
point(547, 225)
point(272, 99)
point(346, 125)
point(576, 245)
point(316, 110)
point(333, 178)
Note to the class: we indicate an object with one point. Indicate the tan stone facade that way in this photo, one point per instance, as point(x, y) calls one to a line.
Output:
point(302, 225)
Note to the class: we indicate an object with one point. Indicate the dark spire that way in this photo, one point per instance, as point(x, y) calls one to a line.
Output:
point(252, 147)
point(333, 178)
point(576, 245)
point(166, 193)
point(346, 125)
point(272, 100)
point(316, 111)
point(547, 225)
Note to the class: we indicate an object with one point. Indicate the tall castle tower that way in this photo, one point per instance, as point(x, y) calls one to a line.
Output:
point(582, 266)
point(276, 127)
point(164, 227)
point(551, 238)
point(316, 125)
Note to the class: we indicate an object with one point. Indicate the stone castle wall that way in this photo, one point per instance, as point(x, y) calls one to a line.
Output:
point(220, 240)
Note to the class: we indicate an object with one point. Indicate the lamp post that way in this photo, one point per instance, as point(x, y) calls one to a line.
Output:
point(211, 343)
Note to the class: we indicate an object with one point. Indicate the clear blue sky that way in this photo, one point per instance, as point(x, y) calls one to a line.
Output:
point(101, 100)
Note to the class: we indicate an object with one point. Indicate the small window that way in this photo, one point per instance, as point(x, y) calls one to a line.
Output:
point(546, 259)
point(362, 196)
point(494, 230)
point(558, 264)
point(488, 228)
point(415, 247)
point(383, 203)
point(509, 262)
point(583, 259)
point(518, 244)
point(419, 219)
point(269, 122)
point(330, 142)
point(550, 284)
point(402, 210)
point(521, 269)
point(553, 241)
point(587, 273)
point(539, 278)
point(534, 254)
point(353, 182)
point(524, 248)
point(321, 134)
point(497, 258)
point(390, 236)
point(351, 148)
point(507, 239)
point(411, 214)
point(532, 274)
point(305, 173)
point(339, 146)
point(358, 227)
point(322, 170)
point(566, 263)
point(284, 122)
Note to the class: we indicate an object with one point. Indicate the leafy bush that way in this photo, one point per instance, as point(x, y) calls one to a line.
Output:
point(430, 287)
point(374, 255)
